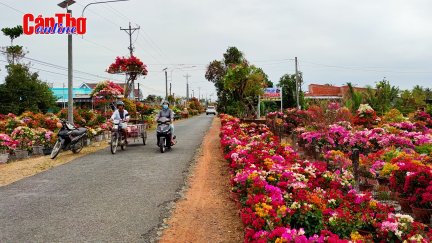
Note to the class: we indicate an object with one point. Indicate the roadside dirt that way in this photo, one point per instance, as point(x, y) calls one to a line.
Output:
point(18, 170)
point(206, 213)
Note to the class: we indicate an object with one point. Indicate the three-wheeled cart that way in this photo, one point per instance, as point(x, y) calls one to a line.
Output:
point(137, 129)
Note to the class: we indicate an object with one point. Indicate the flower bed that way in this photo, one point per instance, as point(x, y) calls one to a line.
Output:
point(284, 198)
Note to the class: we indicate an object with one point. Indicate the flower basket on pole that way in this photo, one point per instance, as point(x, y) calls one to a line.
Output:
point(132, 67)
point(106, 92)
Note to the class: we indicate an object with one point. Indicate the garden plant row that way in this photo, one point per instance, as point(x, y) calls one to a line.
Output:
point(285, 198)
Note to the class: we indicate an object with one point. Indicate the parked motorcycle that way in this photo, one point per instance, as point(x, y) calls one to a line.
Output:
point(117, 137)
point(163, 134)
point(69, 138)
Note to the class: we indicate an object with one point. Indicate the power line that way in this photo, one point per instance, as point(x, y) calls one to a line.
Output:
point(8, 6)
point(373, 69)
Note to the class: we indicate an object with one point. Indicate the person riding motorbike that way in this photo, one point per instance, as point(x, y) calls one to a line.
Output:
point(121, 114)
point(168, 113)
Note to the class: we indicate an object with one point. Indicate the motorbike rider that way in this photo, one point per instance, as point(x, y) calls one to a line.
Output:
point(121, 114)
point(168, 113)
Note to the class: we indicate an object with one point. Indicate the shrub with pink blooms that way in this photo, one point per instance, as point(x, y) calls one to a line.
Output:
point(284, 198)
point(24, 136)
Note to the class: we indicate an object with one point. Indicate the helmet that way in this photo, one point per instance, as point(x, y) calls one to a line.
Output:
point(120, 103)
point(165, 102)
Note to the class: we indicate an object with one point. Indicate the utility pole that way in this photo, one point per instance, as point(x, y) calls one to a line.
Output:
point(130, 32)
point(130, 86)
point(187, 76)
point(199, 94)
point(297, 84)
point(139, 93)
point(170, 88)
point(166, 83)
point(64, 98)
point(70, 76)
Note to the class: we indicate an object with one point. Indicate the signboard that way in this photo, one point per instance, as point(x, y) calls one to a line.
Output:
point(272, 94)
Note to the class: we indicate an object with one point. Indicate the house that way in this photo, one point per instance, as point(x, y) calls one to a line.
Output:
point(82, 94)
point(137, 94)
point(328, 92)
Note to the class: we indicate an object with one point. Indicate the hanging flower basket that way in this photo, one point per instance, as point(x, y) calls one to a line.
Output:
point(131, 65)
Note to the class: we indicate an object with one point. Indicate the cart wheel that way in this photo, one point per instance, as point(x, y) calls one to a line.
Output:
point(144, 137)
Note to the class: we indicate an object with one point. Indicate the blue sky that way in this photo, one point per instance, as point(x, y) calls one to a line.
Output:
point(336, 41)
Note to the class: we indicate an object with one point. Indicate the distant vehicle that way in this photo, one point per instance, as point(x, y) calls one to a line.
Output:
point(211, 110)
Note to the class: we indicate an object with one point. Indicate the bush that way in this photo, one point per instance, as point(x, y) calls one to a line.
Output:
point(424, 149)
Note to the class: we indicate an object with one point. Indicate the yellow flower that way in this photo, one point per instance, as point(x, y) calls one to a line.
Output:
point(373, 203)
point(387, 169)
point(268, 162)
point(280, 240)
point(355, 236)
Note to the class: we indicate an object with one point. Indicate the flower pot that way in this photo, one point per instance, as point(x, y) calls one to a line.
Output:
point(37, 150)
point(46, 151)
point(87, 142)
point(21, 154)
point(405, 204)
point(4, 157)
point(98, 138)
point(422, 214)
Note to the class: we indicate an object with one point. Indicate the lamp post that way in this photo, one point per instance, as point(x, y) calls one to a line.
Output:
point(65, 4)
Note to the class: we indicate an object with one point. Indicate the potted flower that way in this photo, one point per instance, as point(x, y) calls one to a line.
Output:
point(48, 140)
point(6, 144)
point(25, 137)
point(419, 185)
point(38, 140)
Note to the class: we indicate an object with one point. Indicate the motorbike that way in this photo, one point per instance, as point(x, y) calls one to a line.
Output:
point(117, 137)
point(69, 138)
point(163, 134)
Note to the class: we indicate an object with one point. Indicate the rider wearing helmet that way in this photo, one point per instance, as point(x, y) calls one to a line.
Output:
point(123, 115)
point(168, 113)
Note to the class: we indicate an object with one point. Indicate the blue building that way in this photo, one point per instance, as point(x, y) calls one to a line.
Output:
point(80, 95)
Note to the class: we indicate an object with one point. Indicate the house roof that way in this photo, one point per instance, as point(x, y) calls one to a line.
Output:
point(136, 92)
point(325, 91)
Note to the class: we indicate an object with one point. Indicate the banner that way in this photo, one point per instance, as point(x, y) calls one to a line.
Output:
point(272, 94)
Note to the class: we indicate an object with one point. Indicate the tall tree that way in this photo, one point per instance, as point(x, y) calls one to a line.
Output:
point(24, 91)
point(13, 52)
point(289, 97)
point(237, 83)
point(386, 96)
point(353, 99)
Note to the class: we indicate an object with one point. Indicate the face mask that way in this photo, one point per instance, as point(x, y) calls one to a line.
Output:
point(165, 107)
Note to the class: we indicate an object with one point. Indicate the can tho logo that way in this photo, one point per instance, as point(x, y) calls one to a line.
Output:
point(60, 24)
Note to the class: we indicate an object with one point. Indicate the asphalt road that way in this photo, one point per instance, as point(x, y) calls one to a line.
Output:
point(101, 197)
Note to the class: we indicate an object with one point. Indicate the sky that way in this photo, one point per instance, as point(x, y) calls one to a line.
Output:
point(335, 41)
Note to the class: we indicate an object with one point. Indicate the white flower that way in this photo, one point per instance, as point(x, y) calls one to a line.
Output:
point(295, 205)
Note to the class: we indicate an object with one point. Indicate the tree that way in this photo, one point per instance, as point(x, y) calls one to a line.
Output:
point(24, 91)
point(386, 95)
point(13, 32)
point(237, 83)
point(353, 99)
point(288, 84)
point(13, 52)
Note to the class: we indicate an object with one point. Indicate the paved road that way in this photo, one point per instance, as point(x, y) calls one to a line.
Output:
point(101, 197)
